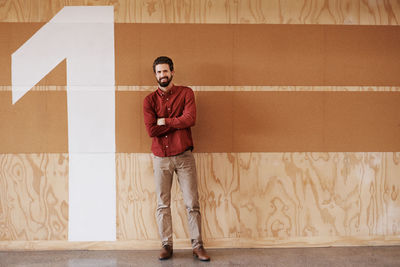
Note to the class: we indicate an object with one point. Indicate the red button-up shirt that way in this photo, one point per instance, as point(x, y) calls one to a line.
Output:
point(178, 108)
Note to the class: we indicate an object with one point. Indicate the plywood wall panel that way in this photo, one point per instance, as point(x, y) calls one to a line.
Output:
point(20, 10)
point(299, 12)
point(33, 197)
point(241, 55)
point(279, 55)
point(219, 107)
point(129, 125)
point(256, 121)
point(36, 123)
point(245, 121)
point(378, 12)
point(177, 11)
point(253, 199)
point(219, 191)
point(174, 11)
point(366, 169)
point(247, 199)
point(136, 198)
point(314, 194)
point(356, 12)
point(391, 193)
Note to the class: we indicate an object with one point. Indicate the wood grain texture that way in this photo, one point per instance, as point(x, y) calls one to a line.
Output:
point(33, 197)
point(319, 195)
point(176, 11)
point(218, 191)
point(136, 198)
point(375, 12)
point(21, 11)
point(379, 12)
point(391, 194)
point(264, 199)
point(247, 200)
point(299, 12)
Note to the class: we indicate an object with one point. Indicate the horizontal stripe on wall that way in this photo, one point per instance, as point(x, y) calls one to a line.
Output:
point(268, 88)
point(240, 55)
point(150, 88)
point(227, 122)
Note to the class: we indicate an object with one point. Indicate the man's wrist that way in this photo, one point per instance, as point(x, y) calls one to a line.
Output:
point(161, 121)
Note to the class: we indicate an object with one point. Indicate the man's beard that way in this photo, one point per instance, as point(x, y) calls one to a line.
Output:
point(166, 83)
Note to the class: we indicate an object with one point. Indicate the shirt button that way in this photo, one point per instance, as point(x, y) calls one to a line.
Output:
point(169, 109)
point(167, 98)
point(166, 136)
point(166, 146)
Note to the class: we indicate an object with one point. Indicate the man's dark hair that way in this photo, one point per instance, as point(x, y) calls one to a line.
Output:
point(163, 60)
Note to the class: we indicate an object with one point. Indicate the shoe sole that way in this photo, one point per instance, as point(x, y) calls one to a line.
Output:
point(163, 259)
point(197, 257)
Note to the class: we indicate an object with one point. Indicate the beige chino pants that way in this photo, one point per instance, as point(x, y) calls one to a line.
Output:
point(185, 168)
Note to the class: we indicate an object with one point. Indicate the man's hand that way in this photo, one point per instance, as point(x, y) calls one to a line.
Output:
point(161, 121)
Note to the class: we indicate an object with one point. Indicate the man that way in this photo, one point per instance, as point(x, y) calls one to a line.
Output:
point(169, 112)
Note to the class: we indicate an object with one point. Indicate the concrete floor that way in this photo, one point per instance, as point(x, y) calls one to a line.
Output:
point(343, 256)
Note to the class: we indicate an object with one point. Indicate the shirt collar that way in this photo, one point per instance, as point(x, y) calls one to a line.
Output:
point(170, 92)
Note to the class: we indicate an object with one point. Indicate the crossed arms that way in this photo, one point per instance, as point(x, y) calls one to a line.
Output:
point(157, 126)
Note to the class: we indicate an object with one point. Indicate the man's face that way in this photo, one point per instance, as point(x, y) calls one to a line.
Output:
point(164, 75)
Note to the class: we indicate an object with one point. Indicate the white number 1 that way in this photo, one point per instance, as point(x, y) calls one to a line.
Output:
point(84, 36)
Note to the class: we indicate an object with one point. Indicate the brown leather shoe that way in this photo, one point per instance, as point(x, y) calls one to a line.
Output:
point(201, 254)
point(166, 252)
